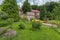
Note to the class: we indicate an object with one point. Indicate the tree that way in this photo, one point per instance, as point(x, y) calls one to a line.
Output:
point(56, 13)
point(26, 6)
point(35, 7)
point(51, 6)
point(49, 10)
point(11, 8)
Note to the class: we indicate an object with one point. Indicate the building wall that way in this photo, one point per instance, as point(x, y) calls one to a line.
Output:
point(30, 15)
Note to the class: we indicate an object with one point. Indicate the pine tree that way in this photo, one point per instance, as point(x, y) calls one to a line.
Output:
point(11, 8)
point(26, 6)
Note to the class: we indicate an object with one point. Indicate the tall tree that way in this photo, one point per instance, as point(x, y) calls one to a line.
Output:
point(51, 6)
point(35, 7)
point(11, 8)
point(26, 6)
point(56, 12)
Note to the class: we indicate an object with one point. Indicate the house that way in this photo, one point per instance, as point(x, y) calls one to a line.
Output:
point(34, 14)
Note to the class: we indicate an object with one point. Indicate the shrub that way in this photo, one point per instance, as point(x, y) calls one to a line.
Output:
point(24, 18)
point(3, 15)
point(31, 19)
point(5, 23)
point(10, 20)
point(10, 7)
point(36, 25)
point(21, 26)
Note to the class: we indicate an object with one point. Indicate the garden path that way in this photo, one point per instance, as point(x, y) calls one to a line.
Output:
point(48, 24)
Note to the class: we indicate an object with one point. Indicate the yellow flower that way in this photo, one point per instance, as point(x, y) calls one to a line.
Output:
point(33, 20)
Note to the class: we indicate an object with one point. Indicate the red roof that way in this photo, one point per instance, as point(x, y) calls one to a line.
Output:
point(35, 11)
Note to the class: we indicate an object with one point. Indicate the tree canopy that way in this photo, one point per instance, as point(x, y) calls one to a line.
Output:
point(49, 10)
point(11, 8)
point(26, 6)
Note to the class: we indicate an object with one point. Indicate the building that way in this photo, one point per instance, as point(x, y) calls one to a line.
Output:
point(34, 14)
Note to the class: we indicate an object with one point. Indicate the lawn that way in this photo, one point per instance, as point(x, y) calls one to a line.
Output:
point(44, 33)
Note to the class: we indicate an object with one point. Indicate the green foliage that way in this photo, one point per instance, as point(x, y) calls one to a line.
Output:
point(3, 15)
point(21, 26)
point(24, 18)
point(51, 6)
point(36, 25)
point(26, 7)
point(35, 7)
point(27, 34)
point(6, 22)
point(50, 10)
point(56, 12)
point(10, 7)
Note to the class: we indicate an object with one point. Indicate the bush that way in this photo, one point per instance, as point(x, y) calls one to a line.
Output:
point(36, 25)
point(24, 18)
point(3, 15)
point(31, 19)
point(21, 26)
point(10, 20)
point(5, 23)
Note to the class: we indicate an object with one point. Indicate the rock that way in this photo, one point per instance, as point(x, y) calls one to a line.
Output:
point(10, 33)
point(2, 29)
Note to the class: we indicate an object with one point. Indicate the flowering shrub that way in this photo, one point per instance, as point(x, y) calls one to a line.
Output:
point(36, 24)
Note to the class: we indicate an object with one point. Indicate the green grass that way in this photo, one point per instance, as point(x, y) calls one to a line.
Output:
point(44, 33)
point(54, 21)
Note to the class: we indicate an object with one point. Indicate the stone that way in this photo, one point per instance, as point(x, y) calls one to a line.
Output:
point(10, 33)
point(2, 29)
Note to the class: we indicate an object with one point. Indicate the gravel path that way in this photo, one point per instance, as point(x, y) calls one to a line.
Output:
point(48, 24)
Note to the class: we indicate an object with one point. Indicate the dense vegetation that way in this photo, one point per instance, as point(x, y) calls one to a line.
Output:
point(26, 7)
point(29, 30)
point(49, 10)
point(10, 7)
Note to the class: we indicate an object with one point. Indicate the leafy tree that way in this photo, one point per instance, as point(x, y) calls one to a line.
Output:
point(26, 6)
point(56, 12)
point(49, 10)
point(43, 12)
point(51, 6)
point(35, 7)
point(11, 8)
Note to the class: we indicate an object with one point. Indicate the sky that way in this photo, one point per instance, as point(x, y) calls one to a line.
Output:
point(36, 2)
point(1, 1)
